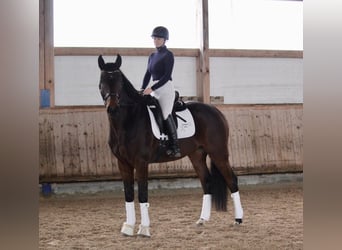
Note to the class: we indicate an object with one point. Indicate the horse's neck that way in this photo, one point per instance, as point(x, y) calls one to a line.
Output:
point(119, 118)
point(121, 123)
point(130, 91)
point(131, 107)
point(128, 112)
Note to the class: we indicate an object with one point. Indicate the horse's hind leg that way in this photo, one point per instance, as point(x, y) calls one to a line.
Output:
point(238, 211)
point(198, 160)
point(221, 162)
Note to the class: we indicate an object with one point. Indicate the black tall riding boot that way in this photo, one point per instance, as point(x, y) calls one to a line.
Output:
point(172, 134)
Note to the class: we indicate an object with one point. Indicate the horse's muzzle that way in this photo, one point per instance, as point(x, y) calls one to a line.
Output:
point(111, 103)
point(111, 100)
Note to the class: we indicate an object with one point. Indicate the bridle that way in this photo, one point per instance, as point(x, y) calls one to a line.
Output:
point(110, 75)
point(119, 103)
point(105, 98)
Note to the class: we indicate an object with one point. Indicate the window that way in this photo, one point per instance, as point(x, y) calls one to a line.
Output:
point(256, 24)
point(123, 23)
point(233, 24)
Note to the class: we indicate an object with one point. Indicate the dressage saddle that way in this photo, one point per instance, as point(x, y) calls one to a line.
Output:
point(154, 106)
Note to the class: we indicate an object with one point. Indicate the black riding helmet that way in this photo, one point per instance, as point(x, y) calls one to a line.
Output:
point(160, 31)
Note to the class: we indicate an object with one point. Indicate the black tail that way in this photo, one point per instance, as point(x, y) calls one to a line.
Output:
point(218, 188)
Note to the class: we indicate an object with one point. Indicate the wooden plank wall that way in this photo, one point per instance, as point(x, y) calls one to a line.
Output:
point(263, 139)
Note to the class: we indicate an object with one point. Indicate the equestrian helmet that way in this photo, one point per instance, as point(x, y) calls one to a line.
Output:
point(160, 31)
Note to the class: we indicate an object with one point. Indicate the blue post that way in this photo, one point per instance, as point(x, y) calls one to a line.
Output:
point(44, 98)
point(46, 189)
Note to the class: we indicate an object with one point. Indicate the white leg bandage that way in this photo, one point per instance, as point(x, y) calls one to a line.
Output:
point(145, 219)
point(237, 205)
point(130, 213)
point(206, 207)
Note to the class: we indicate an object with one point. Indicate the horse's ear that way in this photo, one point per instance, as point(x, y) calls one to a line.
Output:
point(101, 62)
point(118, 61)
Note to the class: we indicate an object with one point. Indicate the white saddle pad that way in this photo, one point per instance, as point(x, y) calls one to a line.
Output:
point(186, 125)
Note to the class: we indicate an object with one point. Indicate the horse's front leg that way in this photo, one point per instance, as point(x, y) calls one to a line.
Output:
point(142, 178)
point(127, 174)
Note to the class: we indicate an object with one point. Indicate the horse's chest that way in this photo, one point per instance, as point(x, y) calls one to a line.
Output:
point(121, 146)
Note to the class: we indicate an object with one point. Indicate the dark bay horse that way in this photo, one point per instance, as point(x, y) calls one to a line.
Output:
point(133, 144)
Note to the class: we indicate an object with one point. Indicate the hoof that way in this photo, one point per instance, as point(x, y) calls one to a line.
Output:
point(238, 221)
point(127, 230)
point(144, 231)
point(200, 222)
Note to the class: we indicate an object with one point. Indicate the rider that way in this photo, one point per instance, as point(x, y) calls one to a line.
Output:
point(160, 66)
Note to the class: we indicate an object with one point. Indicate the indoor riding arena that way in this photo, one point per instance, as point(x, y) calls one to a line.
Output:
point(259, 92)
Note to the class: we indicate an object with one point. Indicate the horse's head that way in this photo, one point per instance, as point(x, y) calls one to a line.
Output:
point(111, 82)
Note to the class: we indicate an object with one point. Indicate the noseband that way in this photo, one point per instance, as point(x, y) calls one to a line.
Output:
point(110, 95)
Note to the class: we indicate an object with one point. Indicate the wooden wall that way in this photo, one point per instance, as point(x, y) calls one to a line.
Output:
point(263, 139)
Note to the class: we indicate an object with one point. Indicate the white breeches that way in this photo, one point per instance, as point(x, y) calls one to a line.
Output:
point(165, 96)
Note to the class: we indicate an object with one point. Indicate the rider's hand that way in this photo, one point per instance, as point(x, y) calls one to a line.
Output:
point(147, 91)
